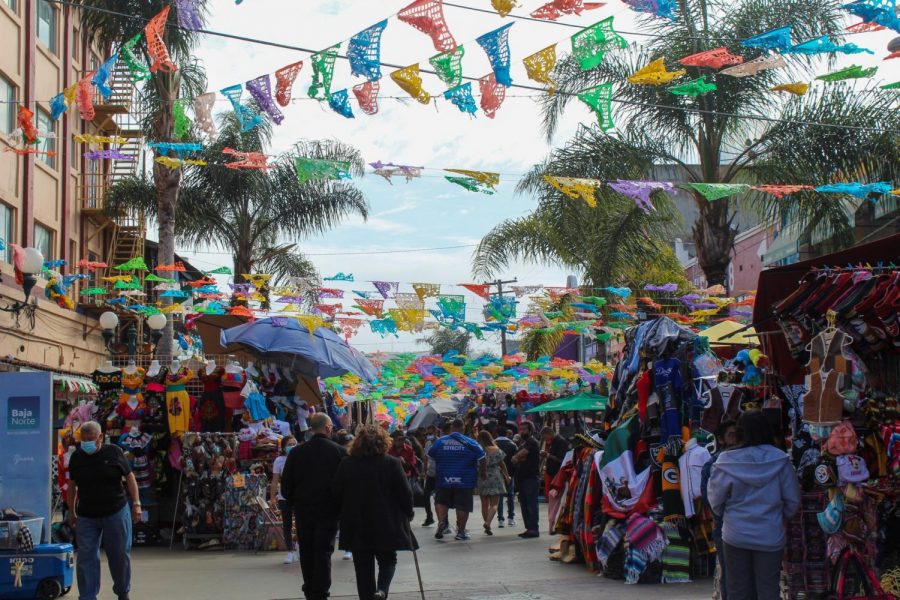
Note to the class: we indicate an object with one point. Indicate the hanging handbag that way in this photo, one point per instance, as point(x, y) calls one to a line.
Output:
point(417, 492)
point(842, 440)
point(870, 585)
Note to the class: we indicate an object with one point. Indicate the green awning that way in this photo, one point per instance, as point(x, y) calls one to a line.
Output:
point(578, 402)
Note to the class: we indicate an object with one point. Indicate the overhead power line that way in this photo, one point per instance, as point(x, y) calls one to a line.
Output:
point(752, 117)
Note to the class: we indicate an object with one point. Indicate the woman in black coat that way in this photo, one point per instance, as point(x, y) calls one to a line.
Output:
point(375, 505)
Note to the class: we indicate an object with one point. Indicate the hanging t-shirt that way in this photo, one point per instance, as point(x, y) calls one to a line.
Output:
point(667, 383)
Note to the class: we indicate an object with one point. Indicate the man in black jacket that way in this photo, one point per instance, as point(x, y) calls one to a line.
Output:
point(306, 484)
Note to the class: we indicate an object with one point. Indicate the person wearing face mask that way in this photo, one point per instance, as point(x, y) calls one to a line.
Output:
point(287, 514)
point(98, 510)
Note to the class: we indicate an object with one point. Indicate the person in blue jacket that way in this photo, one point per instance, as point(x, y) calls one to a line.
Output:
point(456, 459)
point(753, 488)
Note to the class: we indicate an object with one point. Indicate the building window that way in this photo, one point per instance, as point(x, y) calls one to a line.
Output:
point(6, 231)
point(43, 241)
point(76, 45)
point(46, 124)
point(7, 105)
point(46, 24)
point(12, 4)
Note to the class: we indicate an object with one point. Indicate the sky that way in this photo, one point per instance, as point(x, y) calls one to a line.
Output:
point(428, 212)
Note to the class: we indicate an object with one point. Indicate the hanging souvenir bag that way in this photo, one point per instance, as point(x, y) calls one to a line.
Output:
point(851, 561)
point(851, 469)
point(842, 440)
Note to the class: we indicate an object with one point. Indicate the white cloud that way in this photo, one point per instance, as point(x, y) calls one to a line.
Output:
point(427, 212)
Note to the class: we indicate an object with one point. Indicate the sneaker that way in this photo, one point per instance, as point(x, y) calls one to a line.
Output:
point(379, 595)
point(441, 530)
point(347, 555)
point(463, 536)
point(500, 524)
point(529, 534)
point(510, 522)
point(289, 558)
point(428, 522)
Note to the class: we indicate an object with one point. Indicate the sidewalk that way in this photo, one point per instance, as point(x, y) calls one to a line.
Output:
point(502, 567)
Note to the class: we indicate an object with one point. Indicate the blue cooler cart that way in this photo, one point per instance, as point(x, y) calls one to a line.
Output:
point(46, 572)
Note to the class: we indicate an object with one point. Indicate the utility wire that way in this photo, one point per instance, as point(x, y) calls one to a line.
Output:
point(515, 85)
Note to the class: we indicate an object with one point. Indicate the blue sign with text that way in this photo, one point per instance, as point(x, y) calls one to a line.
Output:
point(26, 442)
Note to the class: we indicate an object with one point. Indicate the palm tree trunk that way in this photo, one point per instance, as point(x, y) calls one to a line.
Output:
point(166, 197)
point(243, 263)
point(167, 181)
point(714, 237)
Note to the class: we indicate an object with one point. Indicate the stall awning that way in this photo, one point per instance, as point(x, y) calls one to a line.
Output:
point(730, 333)
point(74, 385)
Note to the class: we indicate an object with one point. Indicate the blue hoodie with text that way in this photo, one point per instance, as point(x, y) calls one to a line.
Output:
point(754, 490)
point(456, 457)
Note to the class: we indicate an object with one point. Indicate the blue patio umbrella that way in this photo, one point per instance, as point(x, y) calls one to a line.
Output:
point(321, 354)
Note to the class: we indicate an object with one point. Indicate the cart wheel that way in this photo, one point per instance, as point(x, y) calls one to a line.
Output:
point(49, 589)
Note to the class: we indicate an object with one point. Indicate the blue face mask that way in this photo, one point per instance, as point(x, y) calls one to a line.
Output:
point(89, 446)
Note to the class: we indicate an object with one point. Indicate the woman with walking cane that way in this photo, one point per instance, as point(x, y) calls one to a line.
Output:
point(375, 504)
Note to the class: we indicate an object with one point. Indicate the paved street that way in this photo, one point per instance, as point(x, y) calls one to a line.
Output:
point(501, 567)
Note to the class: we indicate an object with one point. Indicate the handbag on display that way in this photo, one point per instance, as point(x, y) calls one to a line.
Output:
point(851, 469)
point(842, 440)
point(865, 579)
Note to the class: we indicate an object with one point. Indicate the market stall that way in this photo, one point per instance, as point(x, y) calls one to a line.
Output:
point(825, 375)
point(833, 336)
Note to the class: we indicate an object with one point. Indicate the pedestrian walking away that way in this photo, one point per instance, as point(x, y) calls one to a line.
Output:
point(457, 459)
point(527, 462)
point(509, 448)
point(99, 511)
point(754, 489)
point(492, 479)
point(375, 504)
point(276, 498)
point(306, 484)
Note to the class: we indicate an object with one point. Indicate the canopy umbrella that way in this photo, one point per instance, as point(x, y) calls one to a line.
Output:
point(730, 332)
point(579, 402)
point(431, 413)
point(321, 353)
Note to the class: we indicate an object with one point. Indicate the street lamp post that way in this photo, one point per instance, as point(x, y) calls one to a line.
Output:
point(156, 323)
point(108, 323)
point(32, 263)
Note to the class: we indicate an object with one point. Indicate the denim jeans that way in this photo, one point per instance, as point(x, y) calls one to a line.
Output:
point(510, 501)
point(529, 489)
point(364, 565)
point(753, 574)
point(114, 531)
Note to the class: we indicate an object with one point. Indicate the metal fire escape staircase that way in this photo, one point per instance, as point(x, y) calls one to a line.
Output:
point(117, 116)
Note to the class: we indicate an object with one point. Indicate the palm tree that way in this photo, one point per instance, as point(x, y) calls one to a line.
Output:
point(249, 213)
point(116, 21)
point(709, 143)
point(602, 243)
point(443, 340)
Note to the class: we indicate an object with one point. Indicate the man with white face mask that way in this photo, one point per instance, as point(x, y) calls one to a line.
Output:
point(98, 509)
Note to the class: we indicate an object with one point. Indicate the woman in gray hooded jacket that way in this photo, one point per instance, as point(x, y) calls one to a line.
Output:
point(754, 489)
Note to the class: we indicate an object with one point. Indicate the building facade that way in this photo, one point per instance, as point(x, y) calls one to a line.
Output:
point(54, 203)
